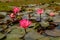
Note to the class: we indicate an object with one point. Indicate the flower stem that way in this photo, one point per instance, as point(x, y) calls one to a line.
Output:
point(25, 31)
point(24, 34)
point(40, 17)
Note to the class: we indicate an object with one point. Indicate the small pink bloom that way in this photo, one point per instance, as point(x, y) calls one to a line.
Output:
point(16, 10)
point(52, 14)
point(24, 23)
point(40, 11)
point(12, 15)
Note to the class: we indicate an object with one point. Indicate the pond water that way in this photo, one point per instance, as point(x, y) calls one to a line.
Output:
point(58, 25)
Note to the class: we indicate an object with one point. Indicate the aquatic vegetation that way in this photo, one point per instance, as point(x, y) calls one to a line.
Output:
point(24, 22)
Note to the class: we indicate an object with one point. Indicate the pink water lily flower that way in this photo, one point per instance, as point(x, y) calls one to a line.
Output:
point(52, 14)
point(16, 10)
point(12, 15)
point(24, 23)
point(40, 11)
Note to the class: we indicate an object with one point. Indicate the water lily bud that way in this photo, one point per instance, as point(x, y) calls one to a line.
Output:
point(40, 11)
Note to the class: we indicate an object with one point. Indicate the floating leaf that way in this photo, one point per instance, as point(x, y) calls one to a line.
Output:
point(2, 35)
point(18, 31)
point(44, 38)
point(12, 37)
point(44, 24)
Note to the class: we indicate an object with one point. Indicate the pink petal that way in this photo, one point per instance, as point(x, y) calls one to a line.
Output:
point(40, 11)
point(24, 23)
point(52, 14)
point(16, 9)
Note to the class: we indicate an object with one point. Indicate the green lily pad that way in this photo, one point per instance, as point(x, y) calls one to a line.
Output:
point(8, 30)
point(2, 27)
point(2, 16)
point(12, 37)
point(35, 36)
point(19, 17)
point(49, 18)
point(2, 35)
point(18, 31)
point(54, 33)
point(44, 38)
point(45, 24)
point(30, 30)
point(37, 25)
point(54, 38)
